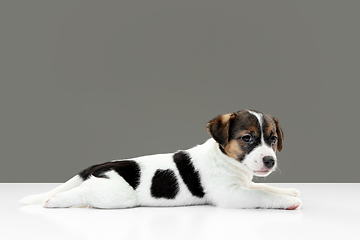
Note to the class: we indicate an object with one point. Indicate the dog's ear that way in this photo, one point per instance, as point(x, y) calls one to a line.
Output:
point(219, 128)
point(280, 134)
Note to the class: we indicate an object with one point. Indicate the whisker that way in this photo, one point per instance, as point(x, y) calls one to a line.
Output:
point(278, 168)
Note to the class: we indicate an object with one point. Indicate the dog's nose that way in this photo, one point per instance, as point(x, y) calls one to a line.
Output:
point(269, 161)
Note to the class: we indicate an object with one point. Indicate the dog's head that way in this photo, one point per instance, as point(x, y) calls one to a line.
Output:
point(250, 137)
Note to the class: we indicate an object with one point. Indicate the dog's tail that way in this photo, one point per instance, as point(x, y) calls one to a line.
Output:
point(40, 198)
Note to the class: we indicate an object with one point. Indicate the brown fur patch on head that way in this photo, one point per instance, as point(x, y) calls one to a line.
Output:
point(280, 134)
point(234, 150)
point(271, 128)
point(228, 129)
point(219, 128)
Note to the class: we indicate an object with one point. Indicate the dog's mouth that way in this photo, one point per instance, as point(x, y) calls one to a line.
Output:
point(262, 172)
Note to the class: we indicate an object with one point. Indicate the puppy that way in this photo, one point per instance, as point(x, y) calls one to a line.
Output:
point(218, 172)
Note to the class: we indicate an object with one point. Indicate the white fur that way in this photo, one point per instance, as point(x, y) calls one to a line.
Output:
point(230, 182)
point(226, 183)
point(259, 116)
point(39, 198)
point(255, 163)
point(254, 159)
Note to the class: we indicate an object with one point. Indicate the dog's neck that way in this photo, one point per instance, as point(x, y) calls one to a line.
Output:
point(211, 155)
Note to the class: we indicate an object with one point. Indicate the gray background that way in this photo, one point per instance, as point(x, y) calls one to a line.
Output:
point(83, 82)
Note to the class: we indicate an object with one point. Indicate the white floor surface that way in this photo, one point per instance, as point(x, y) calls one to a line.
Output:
point(329, 211)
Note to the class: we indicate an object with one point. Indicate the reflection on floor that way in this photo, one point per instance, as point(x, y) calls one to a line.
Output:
point(330, 211)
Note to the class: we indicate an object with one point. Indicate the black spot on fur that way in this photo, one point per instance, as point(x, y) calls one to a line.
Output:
point(188, 173)
point(129, 170)
point(164, 184)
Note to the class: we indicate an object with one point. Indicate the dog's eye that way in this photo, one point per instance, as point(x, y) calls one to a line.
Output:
point(273, 139)
point(247, 138)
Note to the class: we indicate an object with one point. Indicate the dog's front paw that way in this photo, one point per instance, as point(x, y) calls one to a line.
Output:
point(50, 202)
point(292, 203)
point(291, 192)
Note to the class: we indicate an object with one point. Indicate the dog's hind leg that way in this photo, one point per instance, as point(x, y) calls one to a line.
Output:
point(111, 192)
point(39, 198)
